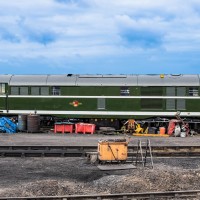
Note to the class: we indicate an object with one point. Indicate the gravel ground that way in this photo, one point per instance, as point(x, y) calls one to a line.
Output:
point(63, 176)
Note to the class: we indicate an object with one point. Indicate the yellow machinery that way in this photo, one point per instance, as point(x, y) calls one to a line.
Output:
point(131, 126)
point(112, 150)
point(112, 154)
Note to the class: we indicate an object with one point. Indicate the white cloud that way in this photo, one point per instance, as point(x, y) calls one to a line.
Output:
point(97, 28)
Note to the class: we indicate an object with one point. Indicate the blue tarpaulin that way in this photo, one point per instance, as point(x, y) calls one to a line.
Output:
point(7, 125)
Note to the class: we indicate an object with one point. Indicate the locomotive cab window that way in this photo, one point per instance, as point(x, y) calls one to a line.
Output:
point(2, 88)
point(124, 91)
point(193, 91)
point(56, 90)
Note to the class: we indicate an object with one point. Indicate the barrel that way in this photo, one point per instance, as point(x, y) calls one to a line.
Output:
point(33, 123)
point(162, 130)
point(22, 122)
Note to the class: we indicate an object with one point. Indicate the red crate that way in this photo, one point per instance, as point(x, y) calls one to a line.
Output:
point(58, 128)
point(84, 128)
point(68, 128)
point(63, 128)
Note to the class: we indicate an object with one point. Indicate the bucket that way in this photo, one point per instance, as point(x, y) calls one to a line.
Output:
point(33, 123)
point(162, 130)
point(22, 122)
point(183, 134)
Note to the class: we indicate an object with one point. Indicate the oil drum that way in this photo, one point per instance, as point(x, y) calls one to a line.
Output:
point(22, 122)
point(33, 123)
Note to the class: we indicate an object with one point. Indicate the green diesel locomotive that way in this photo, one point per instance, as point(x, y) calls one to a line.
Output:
point(101, 99)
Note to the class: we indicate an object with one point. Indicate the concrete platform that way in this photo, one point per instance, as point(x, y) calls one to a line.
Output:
point(72, 139)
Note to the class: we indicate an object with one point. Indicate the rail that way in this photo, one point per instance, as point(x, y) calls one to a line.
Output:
point(79, 151)
point(124, 196)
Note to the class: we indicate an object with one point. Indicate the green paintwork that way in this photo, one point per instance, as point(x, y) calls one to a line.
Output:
point(90, 104)
point(84, 104)
point(90, 91)
point(123, 104)
point(96, 91)
point(193, 105)
point(2, 103)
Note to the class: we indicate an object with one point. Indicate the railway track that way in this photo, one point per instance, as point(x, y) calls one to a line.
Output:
point(78, 151)
point(124, 196)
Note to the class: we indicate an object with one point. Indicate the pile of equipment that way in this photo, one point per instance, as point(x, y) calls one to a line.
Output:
point(7, 125)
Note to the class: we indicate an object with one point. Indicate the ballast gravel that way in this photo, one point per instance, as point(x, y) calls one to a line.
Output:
point(67, 176)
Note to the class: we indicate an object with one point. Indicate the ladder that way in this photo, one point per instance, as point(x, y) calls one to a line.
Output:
point(144, 151)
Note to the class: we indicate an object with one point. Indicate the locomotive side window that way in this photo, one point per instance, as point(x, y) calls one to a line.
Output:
point(23, 90)
point(19, 91)
point(101, 103)
point(170, 91)
point(55, 90)
point(181, 91)
point(124, 91)
point(39, 91)
point(44, 91)
point(193, 91)
point(14, 90)
point(35, 90)
point(2, 88)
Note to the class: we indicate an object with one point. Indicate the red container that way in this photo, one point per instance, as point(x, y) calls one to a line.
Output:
point(84, 128)
point(63, 128)
point(58, 128)
point(68, 128)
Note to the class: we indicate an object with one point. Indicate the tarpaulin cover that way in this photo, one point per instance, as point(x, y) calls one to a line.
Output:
point(7, 125)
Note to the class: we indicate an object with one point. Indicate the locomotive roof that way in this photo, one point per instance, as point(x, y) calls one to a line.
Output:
point(107, 80)
point(101, 80)
point(168, 80)
point(17, 80)
point(5, 78)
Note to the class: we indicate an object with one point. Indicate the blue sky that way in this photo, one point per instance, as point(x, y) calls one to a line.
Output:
point(99, 36)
